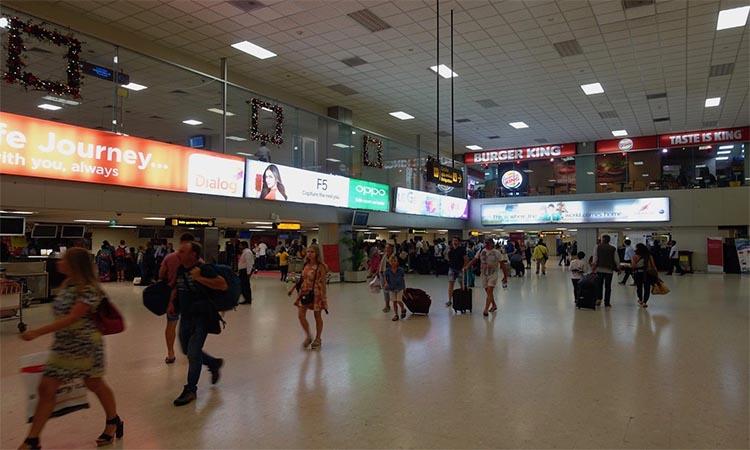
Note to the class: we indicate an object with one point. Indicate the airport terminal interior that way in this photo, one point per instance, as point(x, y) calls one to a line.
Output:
point(374, 224)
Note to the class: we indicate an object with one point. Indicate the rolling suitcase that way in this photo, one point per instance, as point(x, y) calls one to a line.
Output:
point(417, 301)
point(462, 298)
point(587, 291)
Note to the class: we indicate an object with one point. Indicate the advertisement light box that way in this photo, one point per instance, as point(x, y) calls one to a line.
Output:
point(409, 201)
point(570, 212)
point(268, 181)
point(40, 148)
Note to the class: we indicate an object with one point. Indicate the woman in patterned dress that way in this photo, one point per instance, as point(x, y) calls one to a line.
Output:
point(314, 276)
point(77, 351)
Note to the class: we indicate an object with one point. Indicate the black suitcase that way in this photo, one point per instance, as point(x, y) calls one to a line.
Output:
point(423, 265)
point(587, 291)
point(417, 301)
point(462, 298)
point(156, 297)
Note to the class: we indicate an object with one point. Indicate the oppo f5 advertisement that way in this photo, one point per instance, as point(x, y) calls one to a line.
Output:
point(267, 181)
point(654, 209)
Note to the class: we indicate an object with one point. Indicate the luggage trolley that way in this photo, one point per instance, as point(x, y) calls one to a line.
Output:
point(12, 301)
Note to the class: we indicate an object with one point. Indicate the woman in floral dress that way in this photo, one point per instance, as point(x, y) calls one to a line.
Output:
point(77, 351)
point(314, 276)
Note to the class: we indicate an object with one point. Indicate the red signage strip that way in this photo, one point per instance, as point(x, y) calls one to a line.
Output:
point(520, 154)
point(704, 137)
point(626, 144)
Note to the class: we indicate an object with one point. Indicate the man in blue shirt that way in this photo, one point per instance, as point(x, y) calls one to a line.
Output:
point(195, 281)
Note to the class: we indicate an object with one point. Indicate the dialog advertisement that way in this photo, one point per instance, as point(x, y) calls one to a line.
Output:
point(40, 148)
point(409, 201)
point(586, 211)
point(268, 181)
point(715, 254)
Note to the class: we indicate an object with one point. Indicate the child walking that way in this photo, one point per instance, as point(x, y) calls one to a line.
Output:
point(395, 285)
point(578, 268)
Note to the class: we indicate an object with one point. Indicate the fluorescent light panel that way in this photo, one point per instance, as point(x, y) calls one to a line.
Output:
point(236, 138)
point(401, 115)
point(473, 147)
point(518, 125)
point(63, 101)
point(192, 122)
point(25, 213)
point(246, 154)
point(254, 50)
point(91, 221)
point(722, 158)
point(724, 152)
point(619, 133)
point(444, 71)
point(49, 107)
point(259, 223)
point(134, 86)
point(726, 147)
point(712, 102)
point(593, 88)
point(732, 18)
point(219, 111)
point(155, 218)
point(333, 160)
point(637, 163)
point(340, 145)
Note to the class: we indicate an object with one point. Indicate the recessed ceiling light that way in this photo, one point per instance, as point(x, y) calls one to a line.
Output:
point(250, 155)
point(732, 18)
point(444, 71)
point(589, 173)
point(354, 132)
point(700, 166)
point(91, 221)
point(134, 86)
point(602, 184)
point(637, 163)
point(333, 160)
point(619, 133)
point(219, 111)
point(593, 88)
point(473, 147)
point(552, 180)
point(713, 101)
point(394, 231)
point(123, 226)
point(155, 218)
point(726, 147)
point(254, 50)
point(644, 175)
point(115, 59)
point(664, 150)
point(528, 170)
point(236, 138)
point(192, 122)
point(518, 125)
point(64, 101)
point(401, 115)
point(340, 145)
point(49, 107)
point(722, 158)
point(704, 147)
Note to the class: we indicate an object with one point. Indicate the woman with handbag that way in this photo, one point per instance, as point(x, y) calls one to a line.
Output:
point(644, 273)
point(77, 351)
point(311, 289)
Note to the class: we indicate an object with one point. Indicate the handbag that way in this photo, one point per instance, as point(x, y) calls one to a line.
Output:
point(308, 298)
point(651, 273)
point(108, 319)
point(659, 288)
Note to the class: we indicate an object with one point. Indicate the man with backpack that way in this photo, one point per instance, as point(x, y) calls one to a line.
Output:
point(121, 253)
point(197, 286)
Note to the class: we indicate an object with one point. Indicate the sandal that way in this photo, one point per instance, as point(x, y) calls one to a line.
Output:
point(169, 360)
point(316, 344)
point(32, 444)
point(106, 439)
point(387, 309)
point(395, 318)
point(307, 342)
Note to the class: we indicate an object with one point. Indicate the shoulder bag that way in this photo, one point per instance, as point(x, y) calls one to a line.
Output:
point(108, 319)
point(308, 298)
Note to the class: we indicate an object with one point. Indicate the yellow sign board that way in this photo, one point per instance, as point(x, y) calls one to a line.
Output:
point(288, 226)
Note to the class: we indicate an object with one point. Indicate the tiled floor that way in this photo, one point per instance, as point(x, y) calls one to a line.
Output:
point(538, 374)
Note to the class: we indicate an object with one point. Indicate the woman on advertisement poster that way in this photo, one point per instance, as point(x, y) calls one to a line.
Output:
point(273, 188)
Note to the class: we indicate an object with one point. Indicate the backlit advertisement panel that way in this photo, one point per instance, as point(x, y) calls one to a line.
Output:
point(267, 181)
point(586, 211)
point(409, 201)
point(44, 149)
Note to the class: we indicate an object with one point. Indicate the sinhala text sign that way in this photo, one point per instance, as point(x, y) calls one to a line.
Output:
point(654, 209)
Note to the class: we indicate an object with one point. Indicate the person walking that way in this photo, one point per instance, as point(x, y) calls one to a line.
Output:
point(627, 259)
point(168, 273)
point(77, 350)
point(674, 259)
point(578, 268)
point(643, 263)
point(528, 253)
point(606, 262)
point(395, 285)
point(195, 282)
point(283, 262)
point(456, 261)
point(489, 260)
point(562, 251)
point(382, 266)
point(311, 290)
point(245, 266)
point(262, 255)
point(541, 254)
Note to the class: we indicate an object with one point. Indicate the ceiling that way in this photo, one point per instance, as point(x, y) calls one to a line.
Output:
point(657, 62)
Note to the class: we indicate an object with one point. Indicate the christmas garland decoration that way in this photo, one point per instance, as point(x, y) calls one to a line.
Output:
point(255, 106)
point(15, 65)
point(366, 141)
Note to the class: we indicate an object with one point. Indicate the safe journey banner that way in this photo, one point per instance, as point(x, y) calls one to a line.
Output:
point(654, 209)
point(268, 181)
point(40, 148)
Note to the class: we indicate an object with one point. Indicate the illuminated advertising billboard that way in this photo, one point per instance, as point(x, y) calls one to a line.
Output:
point(409, 201)
point(40, 148)
point(571, 212)
point(268, 181)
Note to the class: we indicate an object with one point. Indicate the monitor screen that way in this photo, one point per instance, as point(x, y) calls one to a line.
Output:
point(166, 233)
point(12, 226)
point(44, 231)
point(146, 233)
point(244, 234)
point(72, 231)
point(230, 233)
point(359, 219)
point(197, 141)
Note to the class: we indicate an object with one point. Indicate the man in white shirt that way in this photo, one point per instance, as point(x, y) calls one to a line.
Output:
point(245, 266)
point(627, 258)
point(674, 259)
point(262, 249)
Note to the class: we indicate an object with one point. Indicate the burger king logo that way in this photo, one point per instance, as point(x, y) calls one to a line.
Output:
point(512, 179)
point(625, 144)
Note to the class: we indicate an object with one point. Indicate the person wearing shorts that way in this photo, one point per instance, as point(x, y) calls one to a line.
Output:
point(456, 261)
point(168, 272)
point(394, 284)
point(489, 261)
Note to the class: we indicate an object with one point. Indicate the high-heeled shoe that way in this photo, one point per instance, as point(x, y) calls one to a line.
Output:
point(106, 439)
point(31, 444)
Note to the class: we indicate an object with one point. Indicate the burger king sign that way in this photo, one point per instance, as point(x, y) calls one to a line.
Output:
point(512, 179)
